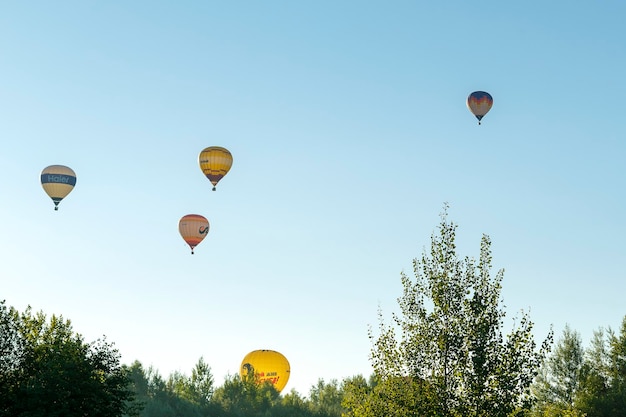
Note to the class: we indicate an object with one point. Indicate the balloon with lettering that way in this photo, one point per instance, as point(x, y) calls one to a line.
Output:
point(193, 228)
point(58, 181)
point(215, 162)
point(479, 103)
point(266, 366)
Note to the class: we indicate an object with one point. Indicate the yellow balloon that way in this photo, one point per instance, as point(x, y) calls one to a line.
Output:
point(193, 228)
point(266, 366)
point(58, 181)
point(215, 162)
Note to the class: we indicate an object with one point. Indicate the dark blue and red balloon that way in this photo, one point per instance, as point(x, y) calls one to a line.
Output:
point(479, 103)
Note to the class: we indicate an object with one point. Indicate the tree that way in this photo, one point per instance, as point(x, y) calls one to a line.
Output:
point(193, 393)
point(159, 401)
point(12, 353)
point(451, 347)
point(390, 396)
point(178, 396)
point(558, 382)
point(58, 374)
point(245, 397)
point(602, 391)
point(291, 405)
point(325, 399)
point(201, 383)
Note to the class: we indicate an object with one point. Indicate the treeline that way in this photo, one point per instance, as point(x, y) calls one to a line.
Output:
point(46, 369)
point(196, 395)
point(573, 381)
point(49, 370)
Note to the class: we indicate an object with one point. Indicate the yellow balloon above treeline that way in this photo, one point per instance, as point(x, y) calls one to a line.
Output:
point(215, 162)
point(266, 366)
point(58, 181)
point(193, 228)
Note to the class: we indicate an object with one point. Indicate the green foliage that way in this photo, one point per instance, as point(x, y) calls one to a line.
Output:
point(291, 405)
point(245, 398)
point(577, 383)
point(12, 355)
point(196, 389)
point(179, 395)
point(194, 396)
point(53, 372)
point(558, 382)
point(603, 376)
point(451, 348)
point(237, 397)
point(325, 399)
point(390, 396)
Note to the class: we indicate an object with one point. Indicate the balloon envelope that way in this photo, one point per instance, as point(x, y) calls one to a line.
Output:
point(266, 365)
point(215, 162)
point(479, 103)
point(193, 228)
point(58, 181)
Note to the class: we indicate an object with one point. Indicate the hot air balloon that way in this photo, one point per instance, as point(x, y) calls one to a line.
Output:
point(479, 103)
point(58, 181)
point(193, 228)
point(266, 365)
point(215, 163)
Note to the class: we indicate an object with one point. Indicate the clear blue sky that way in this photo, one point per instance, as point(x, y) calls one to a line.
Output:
point(349, 131)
